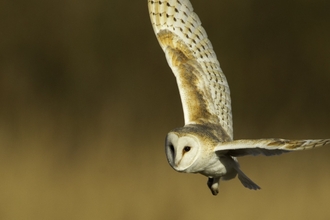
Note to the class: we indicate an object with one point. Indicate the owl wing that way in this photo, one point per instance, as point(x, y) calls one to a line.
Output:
point(267, 147)
point(203, 87)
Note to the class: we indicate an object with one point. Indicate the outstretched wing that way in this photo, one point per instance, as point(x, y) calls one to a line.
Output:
point(268, 147)
point(203, 88)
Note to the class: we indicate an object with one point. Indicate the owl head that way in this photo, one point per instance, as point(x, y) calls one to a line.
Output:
point(181, 151)
point(185, 148)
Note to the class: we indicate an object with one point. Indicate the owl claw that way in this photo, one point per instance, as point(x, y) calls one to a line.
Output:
point(213, 184)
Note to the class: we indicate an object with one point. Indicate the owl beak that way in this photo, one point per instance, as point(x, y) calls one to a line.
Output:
point(177, 162)
point(176, 165)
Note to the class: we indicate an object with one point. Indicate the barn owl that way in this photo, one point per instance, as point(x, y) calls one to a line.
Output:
point(205, 143)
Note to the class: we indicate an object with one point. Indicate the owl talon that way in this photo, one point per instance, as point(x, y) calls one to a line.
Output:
point(213, 184)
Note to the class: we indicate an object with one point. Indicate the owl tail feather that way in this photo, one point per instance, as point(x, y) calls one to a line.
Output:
point(246, 181)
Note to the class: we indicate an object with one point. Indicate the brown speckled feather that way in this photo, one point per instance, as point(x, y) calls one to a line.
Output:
point(203, 88)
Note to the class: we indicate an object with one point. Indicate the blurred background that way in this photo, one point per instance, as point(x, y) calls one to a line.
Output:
point(87, 97)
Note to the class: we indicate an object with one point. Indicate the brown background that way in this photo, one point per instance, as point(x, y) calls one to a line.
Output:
point(87, 99)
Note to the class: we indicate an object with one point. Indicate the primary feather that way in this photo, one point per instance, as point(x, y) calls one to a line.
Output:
point(267, 147)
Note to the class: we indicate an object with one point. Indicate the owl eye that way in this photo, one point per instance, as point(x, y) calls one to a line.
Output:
point(186, 149)
point(172, 148)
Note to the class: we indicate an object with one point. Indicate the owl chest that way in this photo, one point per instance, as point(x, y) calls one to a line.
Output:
point(214, 167)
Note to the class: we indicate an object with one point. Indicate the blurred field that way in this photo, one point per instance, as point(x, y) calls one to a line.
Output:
point(86, 99)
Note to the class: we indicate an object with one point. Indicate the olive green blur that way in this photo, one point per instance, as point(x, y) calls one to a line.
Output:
point(87, 98)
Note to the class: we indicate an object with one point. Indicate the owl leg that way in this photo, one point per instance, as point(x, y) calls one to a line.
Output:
point(213, 184)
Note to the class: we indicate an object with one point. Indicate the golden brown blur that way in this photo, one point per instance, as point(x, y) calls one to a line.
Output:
point(86, 99)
